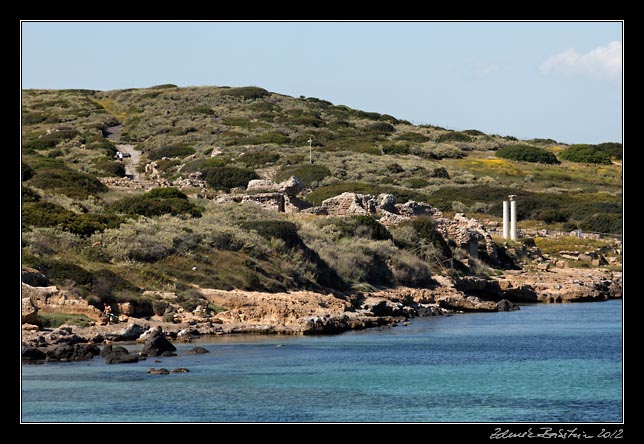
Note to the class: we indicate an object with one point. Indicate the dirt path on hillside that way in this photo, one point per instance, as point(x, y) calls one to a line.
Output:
point(131, 163)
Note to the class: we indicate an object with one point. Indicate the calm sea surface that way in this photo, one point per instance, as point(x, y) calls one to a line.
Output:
point(544, 363)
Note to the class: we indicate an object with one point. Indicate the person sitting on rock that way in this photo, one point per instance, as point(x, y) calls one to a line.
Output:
point(109, 316)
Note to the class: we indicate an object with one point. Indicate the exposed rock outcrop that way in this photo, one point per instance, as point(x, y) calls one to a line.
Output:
point(198, 351)
point(33, 354)
point(132, 332)
point(33, 277)
point(29, 312)
point(156, 344)
point(75, 352)
point(54, 300)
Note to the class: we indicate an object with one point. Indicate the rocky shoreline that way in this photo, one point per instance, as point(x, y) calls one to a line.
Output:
point(299, 312)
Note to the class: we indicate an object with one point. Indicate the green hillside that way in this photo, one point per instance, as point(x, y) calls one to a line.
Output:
point(110, 243)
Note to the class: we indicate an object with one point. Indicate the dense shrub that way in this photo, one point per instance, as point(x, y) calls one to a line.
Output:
point(33, 118)
point(29, 195)
point(205, 163)
point(60, 272)
point(225, 177)
point(159, 308)
point(543, 141)
point(307, 173)
point(236, 121)
point(47, 214)
point(553, 215)
point(416, 182)
point(202, 109)
point(150, 206)
point(37, 144)
point(440, 172)
point(527, 153)
point(105, 283)
point(170, 151)
point(473, 132)
point(165, 193)
point(27, 172)
point(354, 144)
point(264, 138)
point(362, 226)
point(603, 223)
point(454, 136)
point(311, 120)
point(585, 154)
point(279, 229)
point(380, 128)
point(246, 92)
point(69, 182)
point(413, 137)
point(111, 168)
point(396, 149)
point(259, 158)
point(613, 149)
point(366, 115)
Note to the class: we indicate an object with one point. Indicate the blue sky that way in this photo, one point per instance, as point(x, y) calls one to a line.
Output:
point(557, 80)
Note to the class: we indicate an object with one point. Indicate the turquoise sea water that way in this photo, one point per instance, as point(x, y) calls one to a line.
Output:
point(544, 363)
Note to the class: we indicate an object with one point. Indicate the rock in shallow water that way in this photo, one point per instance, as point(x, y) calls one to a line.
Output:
point(75, 352)
point(33, 354)
point(198, 350)
point(157, 344)
point(158, 371)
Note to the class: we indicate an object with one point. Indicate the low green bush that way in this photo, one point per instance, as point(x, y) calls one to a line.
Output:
point(440, 172)
point(205, 163)
point(362, 226)
point(416, 182)
point(259, 158)
point(356, 145)
point(225, 177)
point(33, 118)
point(69, 182)
point(279, 229)
point(264, 138)
point(154, 206)
point(473, 132)
point(413, 137)
point(380, 128)
point(527, 153)
point(366, 115)
point(307, 173)
point(165, 193)
point(543, 141)
point(106, 283)
point(236, 121)
point(27, 172)
point(55, 320)
point(111, 168)
point(170, 151)
point(603, 223)
point(60, 272)
point(246, 92)
point(29, 195)
point(454, 136)
point(202, 109)
point(585, 154)
point(613, 149)
point(396, 149)
point(47, 214)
